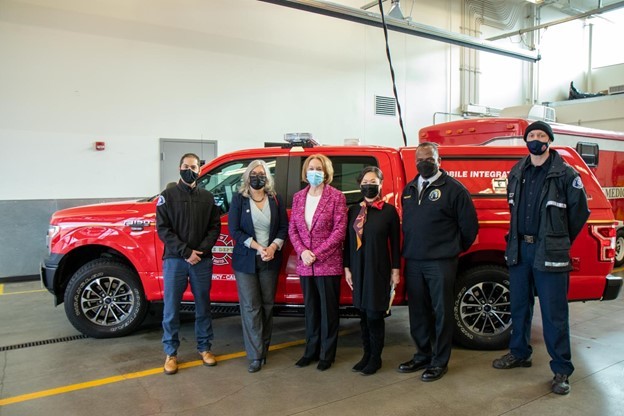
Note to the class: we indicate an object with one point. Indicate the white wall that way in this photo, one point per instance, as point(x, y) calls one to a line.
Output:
point(607, 76)
point(242, 72)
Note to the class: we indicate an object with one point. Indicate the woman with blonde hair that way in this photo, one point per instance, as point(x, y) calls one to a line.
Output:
point(258, 224)
point(317, 230)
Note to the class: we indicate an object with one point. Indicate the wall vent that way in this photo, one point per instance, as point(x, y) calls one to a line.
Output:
point(616, 89)
point(385, 106)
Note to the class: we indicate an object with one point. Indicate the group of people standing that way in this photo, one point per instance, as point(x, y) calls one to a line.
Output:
point(363, 244)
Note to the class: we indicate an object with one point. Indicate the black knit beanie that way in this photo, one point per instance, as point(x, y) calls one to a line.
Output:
point(539, 125)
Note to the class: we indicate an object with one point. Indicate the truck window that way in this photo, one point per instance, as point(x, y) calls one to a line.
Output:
point(225, 180)
point(346, 170)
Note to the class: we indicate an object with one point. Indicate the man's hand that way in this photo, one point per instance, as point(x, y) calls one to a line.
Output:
point(395, 278)
point(194, 258)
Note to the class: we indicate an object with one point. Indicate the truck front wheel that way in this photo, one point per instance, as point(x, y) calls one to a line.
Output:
point(105, 299)
point(482, 309)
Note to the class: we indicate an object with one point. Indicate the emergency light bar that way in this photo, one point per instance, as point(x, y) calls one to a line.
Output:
point(300, 139)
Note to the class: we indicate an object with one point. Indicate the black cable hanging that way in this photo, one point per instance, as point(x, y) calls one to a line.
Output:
point(396, 95)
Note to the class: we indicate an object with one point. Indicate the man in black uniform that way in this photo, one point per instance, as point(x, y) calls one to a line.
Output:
point(548, 209)
point(439, 222)
point(188, 224)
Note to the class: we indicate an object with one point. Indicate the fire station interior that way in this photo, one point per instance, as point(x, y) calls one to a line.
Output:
point(99, 99)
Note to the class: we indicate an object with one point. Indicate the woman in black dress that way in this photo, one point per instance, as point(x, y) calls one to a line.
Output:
point(372, 261)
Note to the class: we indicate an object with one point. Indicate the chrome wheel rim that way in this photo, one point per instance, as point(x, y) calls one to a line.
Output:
point(619, 249)
point(107, 301)
point(485, 309)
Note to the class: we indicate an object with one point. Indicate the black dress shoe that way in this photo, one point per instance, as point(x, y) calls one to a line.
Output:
point(255, 366)
point(305, 361)
point(323, 365)
point(433, 373)
point(412, 365)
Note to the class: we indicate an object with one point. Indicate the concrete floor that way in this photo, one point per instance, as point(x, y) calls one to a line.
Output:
point(123, 376)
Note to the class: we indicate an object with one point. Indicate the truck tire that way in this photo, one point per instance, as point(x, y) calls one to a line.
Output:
point(619, 248)
point(105, 299)
point(481, 308)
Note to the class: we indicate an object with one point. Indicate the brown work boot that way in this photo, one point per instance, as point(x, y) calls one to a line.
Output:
point(171, 365)
point(208, 358)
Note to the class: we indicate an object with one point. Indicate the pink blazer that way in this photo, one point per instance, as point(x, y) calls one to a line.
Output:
point(326, 235)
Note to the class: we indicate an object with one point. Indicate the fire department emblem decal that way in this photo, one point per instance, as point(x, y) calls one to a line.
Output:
point(435, 195)
point(222, 251)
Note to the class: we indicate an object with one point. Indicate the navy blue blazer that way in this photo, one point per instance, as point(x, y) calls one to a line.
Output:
point(241, 228)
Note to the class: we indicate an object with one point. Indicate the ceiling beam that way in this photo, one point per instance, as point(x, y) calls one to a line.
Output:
point(404, 26)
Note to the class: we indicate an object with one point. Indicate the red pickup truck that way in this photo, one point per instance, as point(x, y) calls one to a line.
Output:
point(104, 260)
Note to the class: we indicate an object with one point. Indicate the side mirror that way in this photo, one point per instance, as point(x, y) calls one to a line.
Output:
point(589, 152)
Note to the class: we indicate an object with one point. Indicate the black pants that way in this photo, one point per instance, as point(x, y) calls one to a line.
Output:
point(429, 286)
point(321, 295)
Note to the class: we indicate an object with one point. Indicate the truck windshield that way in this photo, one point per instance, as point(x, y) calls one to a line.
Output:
point(224, 181)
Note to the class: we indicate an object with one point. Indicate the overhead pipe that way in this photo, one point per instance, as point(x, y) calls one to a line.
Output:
point(599, 10)
point(404, 26)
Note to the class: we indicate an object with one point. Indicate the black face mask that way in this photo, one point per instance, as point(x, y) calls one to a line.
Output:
point(188, 176)
point(257, 182)
point(369, 191)
point(426, 168)
point(536, 147)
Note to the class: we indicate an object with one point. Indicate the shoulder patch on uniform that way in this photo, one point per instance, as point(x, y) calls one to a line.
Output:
point(577, 183)
point(161, 200)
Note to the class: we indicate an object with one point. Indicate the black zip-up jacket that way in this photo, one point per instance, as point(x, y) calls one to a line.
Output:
point(440, 226)
point(187, 219)
point(563, 212)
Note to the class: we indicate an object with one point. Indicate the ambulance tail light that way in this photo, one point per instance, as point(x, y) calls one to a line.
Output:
point(605, 234)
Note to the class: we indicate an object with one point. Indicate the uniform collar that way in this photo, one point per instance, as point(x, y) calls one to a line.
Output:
point(190, 189)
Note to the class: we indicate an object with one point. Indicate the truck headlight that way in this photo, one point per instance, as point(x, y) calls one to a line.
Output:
point(53, 231)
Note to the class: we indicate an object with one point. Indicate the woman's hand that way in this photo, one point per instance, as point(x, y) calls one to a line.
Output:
point(308, 257)
point(349, 277)
point(269, 253)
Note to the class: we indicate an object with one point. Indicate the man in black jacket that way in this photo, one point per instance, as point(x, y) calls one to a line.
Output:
point(548, 209)
point(439, 222)
point(188, 224)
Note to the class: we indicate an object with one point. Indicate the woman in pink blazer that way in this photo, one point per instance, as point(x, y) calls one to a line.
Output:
point(317, 230)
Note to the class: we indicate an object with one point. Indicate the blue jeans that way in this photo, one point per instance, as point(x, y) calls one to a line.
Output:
point(177, 273)
point(552, 291)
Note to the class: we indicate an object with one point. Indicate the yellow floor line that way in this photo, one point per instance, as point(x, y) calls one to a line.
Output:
point(130, 376)
point(1, 288)
point(619, 269)
point(20, 293)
